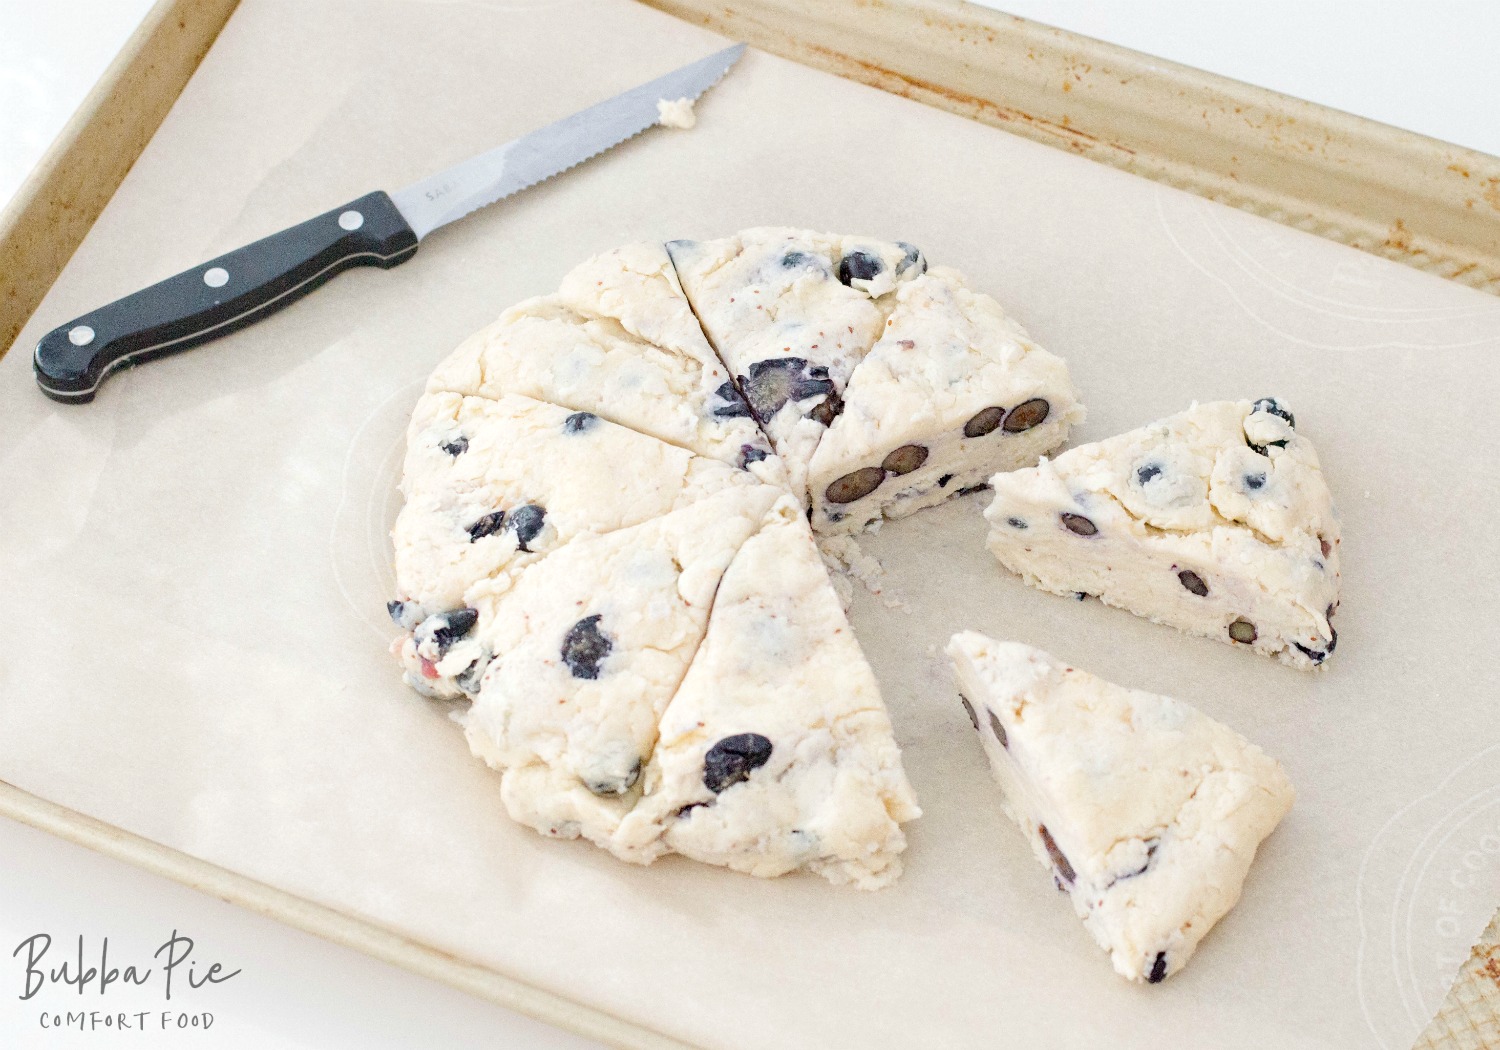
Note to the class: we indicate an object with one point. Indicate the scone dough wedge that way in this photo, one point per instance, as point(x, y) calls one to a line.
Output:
point(1147, 812)
point(792, 313)
point(583, 652)
point(618, 340)
point(491, 486)
point(1216, 521)
point(776, 753)
point(953, 392)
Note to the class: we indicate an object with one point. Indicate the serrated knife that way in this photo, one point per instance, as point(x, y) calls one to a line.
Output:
point(379, 229)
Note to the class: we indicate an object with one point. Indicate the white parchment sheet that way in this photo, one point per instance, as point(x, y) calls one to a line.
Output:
point(194, 567)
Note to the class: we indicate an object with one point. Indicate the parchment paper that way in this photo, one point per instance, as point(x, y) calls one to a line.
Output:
point(194, 566)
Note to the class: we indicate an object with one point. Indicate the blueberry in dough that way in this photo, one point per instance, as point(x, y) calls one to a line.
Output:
point(774, 382)
point(1027, 415)
point(486, 526)
point(1271, 406)
point(1017, 523)
point(578, 422)
point(733, 759)
point(998, 730)
point(526, 522)
point(1158, 969)
point(1193, 582)
point(1243, 631)
point(859, 266)
point(969, 710)
point(905, 459)
point(857, 484)
point(1254, 482)
point(1065, 870)
point(801, 260)
point(616, 785)
point(469, 678)
point(1275, 408)
point(731, 405)
point(584, 646)
point(455, 447)
point(448, 627)
point(1317, 656)
point(1078, 525)
point(913, 257)
point(984, 421)
point(1146, 472)
point(750, 454)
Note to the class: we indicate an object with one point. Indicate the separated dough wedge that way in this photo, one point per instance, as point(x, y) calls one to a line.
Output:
point(792, 312)
point(618, 340)
point(1216, 521)
point(776, 753)
point(953, 392)
point(583, 653)
point(492, 486)
point(1147, 811)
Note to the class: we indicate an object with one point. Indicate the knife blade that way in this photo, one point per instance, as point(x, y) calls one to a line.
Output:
point(241, 287)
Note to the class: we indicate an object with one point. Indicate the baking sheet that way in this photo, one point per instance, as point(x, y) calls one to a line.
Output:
point(200, 564)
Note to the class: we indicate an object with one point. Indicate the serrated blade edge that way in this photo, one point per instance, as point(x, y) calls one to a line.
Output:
point(496, 174)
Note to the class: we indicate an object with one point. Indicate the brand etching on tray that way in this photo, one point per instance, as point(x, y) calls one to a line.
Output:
point(1426, 889)
point(79, 970)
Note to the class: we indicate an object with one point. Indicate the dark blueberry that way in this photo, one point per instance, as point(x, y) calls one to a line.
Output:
point(397, 611)
point(526, 522)
point(607, 786)
point(1158, 969)
point(855, 485)
point(1027, 415)
point(1079, 596)
point(1144, 474)
point(1275, 408)
point(998, 730)
point(1065, 870)
point(1078, 525)
point(905, 459)
point(1242, 631)
point(969, 710)
point(1017, 523)
point(798, 260)
point(1317, 656)
point(486, 526)
point(773, 383)
point(578, 422)
point(913, 257)
point(982, 486)
point(452, 625)
point(827, 410)
point(455, 447)
point(469, 678)
point(584, 646)
point(750, 454)
point(943, 481)
point(1254, 482)
point(859, 266)
point(1193, 582)
point(732, 404)
point(984, 422)
point(687, 809)
point(733, 759)
point(1150, 856)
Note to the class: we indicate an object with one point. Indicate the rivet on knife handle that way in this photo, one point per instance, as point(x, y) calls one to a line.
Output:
point(220, 296)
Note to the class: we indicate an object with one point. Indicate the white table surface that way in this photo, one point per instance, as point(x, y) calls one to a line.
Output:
point(1427, 65)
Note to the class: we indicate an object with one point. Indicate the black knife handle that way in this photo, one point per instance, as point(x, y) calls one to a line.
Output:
point(220, 296)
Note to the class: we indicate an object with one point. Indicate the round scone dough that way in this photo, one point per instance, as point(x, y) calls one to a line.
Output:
point(607, 549)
